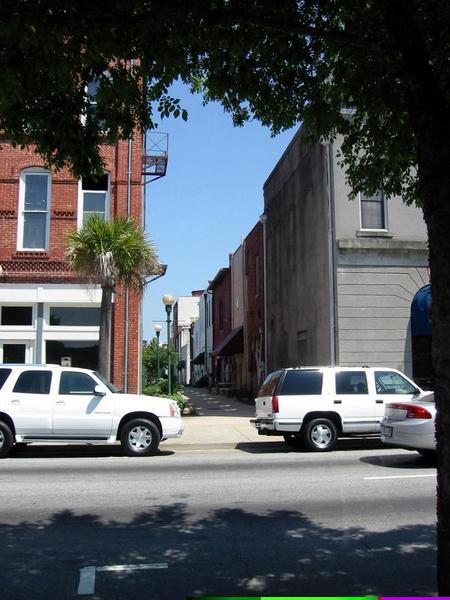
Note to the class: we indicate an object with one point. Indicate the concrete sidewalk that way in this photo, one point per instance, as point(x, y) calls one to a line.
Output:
point(220, 422)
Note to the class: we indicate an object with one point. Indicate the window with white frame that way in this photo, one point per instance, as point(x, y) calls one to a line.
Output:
point(34, 209)
point(373, 211)
point(94, 198)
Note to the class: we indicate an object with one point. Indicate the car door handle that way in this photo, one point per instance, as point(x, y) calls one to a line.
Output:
point(337, 401)
point(60, 403)
point(16, 401)
point(378, 401)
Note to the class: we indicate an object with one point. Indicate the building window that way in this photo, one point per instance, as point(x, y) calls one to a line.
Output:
point(221, 315)
point(14, 316)
point(74, 316)
point(373, 211)
point(34, 204)
point(80, 353)
point(94, 198)
point(257, 275)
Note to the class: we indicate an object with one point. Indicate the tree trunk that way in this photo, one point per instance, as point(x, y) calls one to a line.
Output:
point(438, 221)
point(104, 345)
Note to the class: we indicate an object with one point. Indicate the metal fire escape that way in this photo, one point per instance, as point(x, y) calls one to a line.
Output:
point(154, 160)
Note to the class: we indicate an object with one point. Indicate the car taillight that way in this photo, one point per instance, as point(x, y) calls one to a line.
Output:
point(275, 407)
point(412, 411)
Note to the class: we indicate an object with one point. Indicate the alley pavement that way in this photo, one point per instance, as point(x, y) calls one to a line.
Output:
point(219, 422)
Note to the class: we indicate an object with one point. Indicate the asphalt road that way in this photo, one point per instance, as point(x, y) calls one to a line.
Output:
point(258, 520)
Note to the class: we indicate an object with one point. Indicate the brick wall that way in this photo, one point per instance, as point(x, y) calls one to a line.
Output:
point(49, 266)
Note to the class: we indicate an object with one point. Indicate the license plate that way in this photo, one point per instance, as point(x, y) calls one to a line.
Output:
point(387, 430)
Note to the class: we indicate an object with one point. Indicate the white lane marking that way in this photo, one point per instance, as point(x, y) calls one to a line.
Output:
point(403, 476)
point(132, 567)
point(86, 584)
point(87, 581)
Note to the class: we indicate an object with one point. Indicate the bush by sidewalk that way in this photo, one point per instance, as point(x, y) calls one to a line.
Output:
point(161, 388)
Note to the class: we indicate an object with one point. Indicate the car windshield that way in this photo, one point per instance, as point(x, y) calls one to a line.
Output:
point(109, 385)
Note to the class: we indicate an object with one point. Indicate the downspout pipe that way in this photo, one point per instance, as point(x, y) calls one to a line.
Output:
point(127, 292)
point(331, 253)
point(263, 221)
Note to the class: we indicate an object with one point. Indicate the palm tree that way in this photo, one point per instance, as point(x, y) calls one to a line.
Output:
point(111, 253)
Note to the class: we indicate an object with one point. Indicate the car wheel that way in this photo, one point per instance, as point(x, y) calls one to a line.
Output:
point(293, 440)
point(6, 439)
point(320, 435)
point(140, 437)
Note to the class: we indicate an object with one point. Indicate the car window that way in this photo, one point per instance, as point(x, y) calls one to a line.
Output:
point(76, 383)
point(4, 374)
point(351, 382)
point(302, 383)
point(33, 382)
point(388, 382)
point(270, 384)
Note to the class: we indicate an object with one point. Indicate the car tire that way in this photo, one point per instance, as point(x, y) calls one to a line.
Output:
point(293, 440)
point(140, 437)
point(320, 435)
point(6, 439)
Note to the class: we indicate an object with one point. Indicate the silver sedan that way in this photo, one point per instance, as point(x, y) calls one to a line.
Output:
point(410, 425)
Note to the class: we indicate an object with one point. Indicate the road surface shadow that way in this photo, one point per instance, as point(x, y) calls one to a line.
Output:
point(279, 446)
point(76, 451)
point(227, 551)
point(412, 460)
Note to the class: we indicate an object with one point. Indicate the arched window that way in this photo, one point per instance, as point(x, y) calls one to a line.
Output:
point(34, 209)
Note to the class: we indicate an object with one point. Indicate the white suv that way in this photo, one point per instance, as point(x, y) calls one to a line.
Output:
point(49, 403)
point(313, 406)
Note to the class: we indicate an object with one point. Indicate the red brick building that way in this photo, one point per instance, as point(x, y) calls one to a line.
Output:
point(221, 288)
point(46, 314)
point(254, 304)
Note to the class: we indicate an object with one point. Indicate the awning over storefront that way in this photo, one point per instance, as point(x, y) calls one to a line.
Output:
point(199, 359)
point(232, 344)
point(421, 312)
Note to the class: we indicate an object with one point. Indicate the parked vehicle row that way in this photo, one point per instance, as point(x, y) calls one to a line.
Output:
point(309, 406)
point(314, 406)
point(49, 403)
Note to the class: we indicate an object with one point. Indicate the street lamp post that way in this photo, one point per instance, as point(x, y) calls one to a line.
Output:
point(168, 301)
point(158, 332)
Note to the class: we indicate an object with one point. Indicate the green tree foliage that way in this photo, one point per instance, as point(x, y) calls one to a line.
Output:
point(150, 360)
point(375, 71)
point(111, 253)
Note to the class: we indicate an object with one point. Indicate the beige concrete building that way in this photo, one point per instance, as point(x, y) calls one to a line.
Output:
point(340, 274)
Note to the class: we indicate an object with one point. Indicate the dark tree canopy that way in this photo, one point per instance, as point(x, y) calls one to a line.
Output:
point(376, 71)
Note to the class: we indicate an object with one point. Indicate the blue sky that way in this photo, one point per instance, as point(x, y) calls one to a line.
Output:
point(209, 199)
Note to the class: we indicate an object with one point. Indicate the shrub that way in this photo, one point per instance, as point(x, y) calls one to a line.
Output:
point(160, 388)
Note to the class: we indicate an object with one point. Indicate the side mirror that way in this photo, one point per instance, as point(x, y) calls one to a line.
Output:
point(98, 391)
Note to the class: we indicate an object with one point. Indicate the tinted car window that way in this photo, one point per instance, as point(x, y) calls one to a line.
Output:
point(302, 383)
point(76, 383)
point(351, 382)
point(271, 382)
point(388, 382)
point(33, 382)
point(4, 373)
